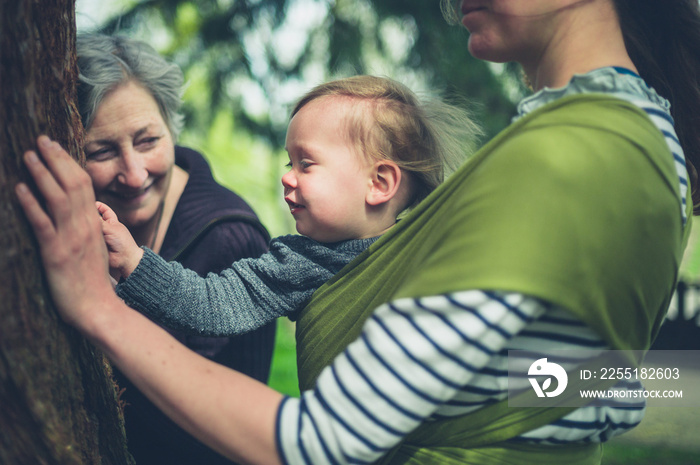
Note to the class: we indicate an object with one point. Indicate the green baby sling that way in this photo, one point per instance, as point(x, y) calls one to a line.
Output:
point(600, 234)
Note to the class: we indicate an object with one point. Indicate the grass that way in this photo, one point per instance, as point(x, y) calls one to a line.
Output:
point(283, 374)
point(666, 436)
point(624, 454)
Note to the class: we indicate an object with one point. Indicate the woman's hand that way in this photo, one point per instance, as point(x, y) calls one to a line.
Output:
point(69, 232)
point(124, 252)
point(193, 391)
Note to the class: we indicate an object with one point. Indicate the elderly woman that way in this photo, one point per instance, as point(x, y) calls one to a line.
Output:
point(129, 98)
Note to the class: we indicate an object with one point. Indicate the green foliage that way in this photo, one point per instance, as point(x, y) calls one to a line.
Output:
point(247, 166)
point(247, 61)
point(690, 267)
point(283, 374)
point(254, 57)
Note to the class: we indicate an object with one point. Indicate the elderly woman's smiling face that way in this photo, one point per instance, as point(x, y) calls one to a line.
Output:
point(130, 154)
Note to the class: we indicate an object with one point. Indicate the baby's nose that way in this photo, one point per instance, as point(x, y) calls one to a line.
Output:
point(288, 181)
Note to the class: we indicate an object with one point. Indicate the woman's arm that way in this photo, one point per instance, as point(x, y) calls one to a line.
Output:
point(230, 412)
point(226, 410)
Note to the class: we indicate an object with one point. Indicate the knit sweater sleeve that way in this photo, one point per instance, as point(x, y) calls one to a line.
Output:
point(243, 297)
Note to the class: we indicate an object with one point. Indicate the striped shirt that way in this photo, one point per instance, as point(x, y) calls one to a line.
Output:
point(443, 356)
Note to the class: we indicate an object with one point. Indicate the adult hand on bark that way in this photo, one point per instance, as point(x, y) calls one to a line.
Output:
point(69, 231)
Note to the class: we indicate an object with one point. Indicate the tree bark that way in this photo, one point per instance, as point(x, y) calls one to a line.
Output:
point(58, 403)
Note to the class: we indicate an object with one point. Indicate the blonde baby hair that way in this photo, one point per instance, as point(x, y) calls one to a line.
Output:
point(426, 138)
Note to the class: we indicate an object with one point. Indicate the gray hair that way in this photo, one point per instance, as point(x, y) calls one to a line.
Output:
point(106, 62)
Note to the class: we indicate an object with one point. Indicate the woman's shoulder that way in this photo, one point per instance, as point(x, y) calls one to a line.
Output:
point(579, 145)
point(594, 110)
point(574, 127)
point(216, 247)
point(207, 208)
point(203, 195)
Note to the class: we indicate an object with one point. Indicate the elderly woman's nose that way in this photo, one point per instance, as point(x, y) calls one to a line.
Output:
point(133, 172)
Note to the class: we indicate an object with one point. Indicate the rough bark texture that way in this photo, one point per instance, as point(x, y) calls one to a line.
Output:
point(57, 399)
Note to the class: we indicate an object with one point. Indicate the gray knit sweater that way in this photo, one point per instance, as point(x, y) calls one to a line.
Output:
point(249, 294)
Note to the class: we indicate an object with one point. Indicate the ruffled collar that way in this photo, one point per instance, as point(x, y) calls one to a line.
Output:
point(609, 80)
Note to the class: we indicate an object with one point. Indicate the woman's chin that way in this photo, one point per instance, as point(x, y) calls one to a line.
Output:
point(482, 48)
point(133, 218)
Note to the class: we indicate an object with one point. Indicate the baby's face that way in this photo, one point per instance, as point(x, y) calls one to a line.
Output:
point(328, 180)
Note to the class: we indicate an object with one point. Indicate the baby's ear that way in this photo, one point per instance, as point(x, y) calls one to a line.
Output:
point(384, 183)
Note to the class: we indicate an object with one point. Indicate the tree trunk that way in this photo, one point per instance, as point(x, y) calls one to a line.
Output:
point(57, 399)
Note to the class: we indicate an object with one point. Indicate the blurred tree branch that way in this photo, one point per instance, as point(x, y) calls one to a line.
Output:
point(275, 49)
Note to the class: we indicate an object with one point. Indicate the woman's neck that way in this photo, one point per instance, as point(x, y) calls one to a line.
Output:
point(152, 233)
point(588, 40)
point(144, 233)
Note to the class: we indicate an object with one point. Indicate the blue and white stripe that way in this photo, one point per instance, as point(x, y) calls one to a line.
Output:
point(433, 358)
point(663, 120)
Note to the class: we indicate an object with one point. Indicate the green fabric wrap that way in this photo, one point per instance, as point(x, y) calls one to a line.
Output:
point(576, 203)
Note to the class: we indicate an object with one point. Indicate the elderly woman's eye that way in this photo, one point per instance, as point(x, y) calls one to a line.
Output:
point(148, 141)
point(99, 155)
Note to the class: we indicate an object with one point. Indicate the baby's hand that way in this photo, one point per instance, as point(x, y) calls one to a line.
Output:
point(124, 253)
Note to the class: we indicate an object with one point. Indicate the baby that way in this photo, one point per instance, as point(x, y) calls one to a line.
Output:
point(362, 150)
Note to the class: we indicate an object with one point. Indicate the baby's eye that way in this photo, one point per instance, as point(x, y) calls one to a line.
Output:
point(289, 164)
point(304, 164)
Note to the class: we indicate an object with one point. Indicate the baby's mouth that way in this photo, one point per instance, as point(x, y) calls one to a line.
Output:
point(293, 206)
